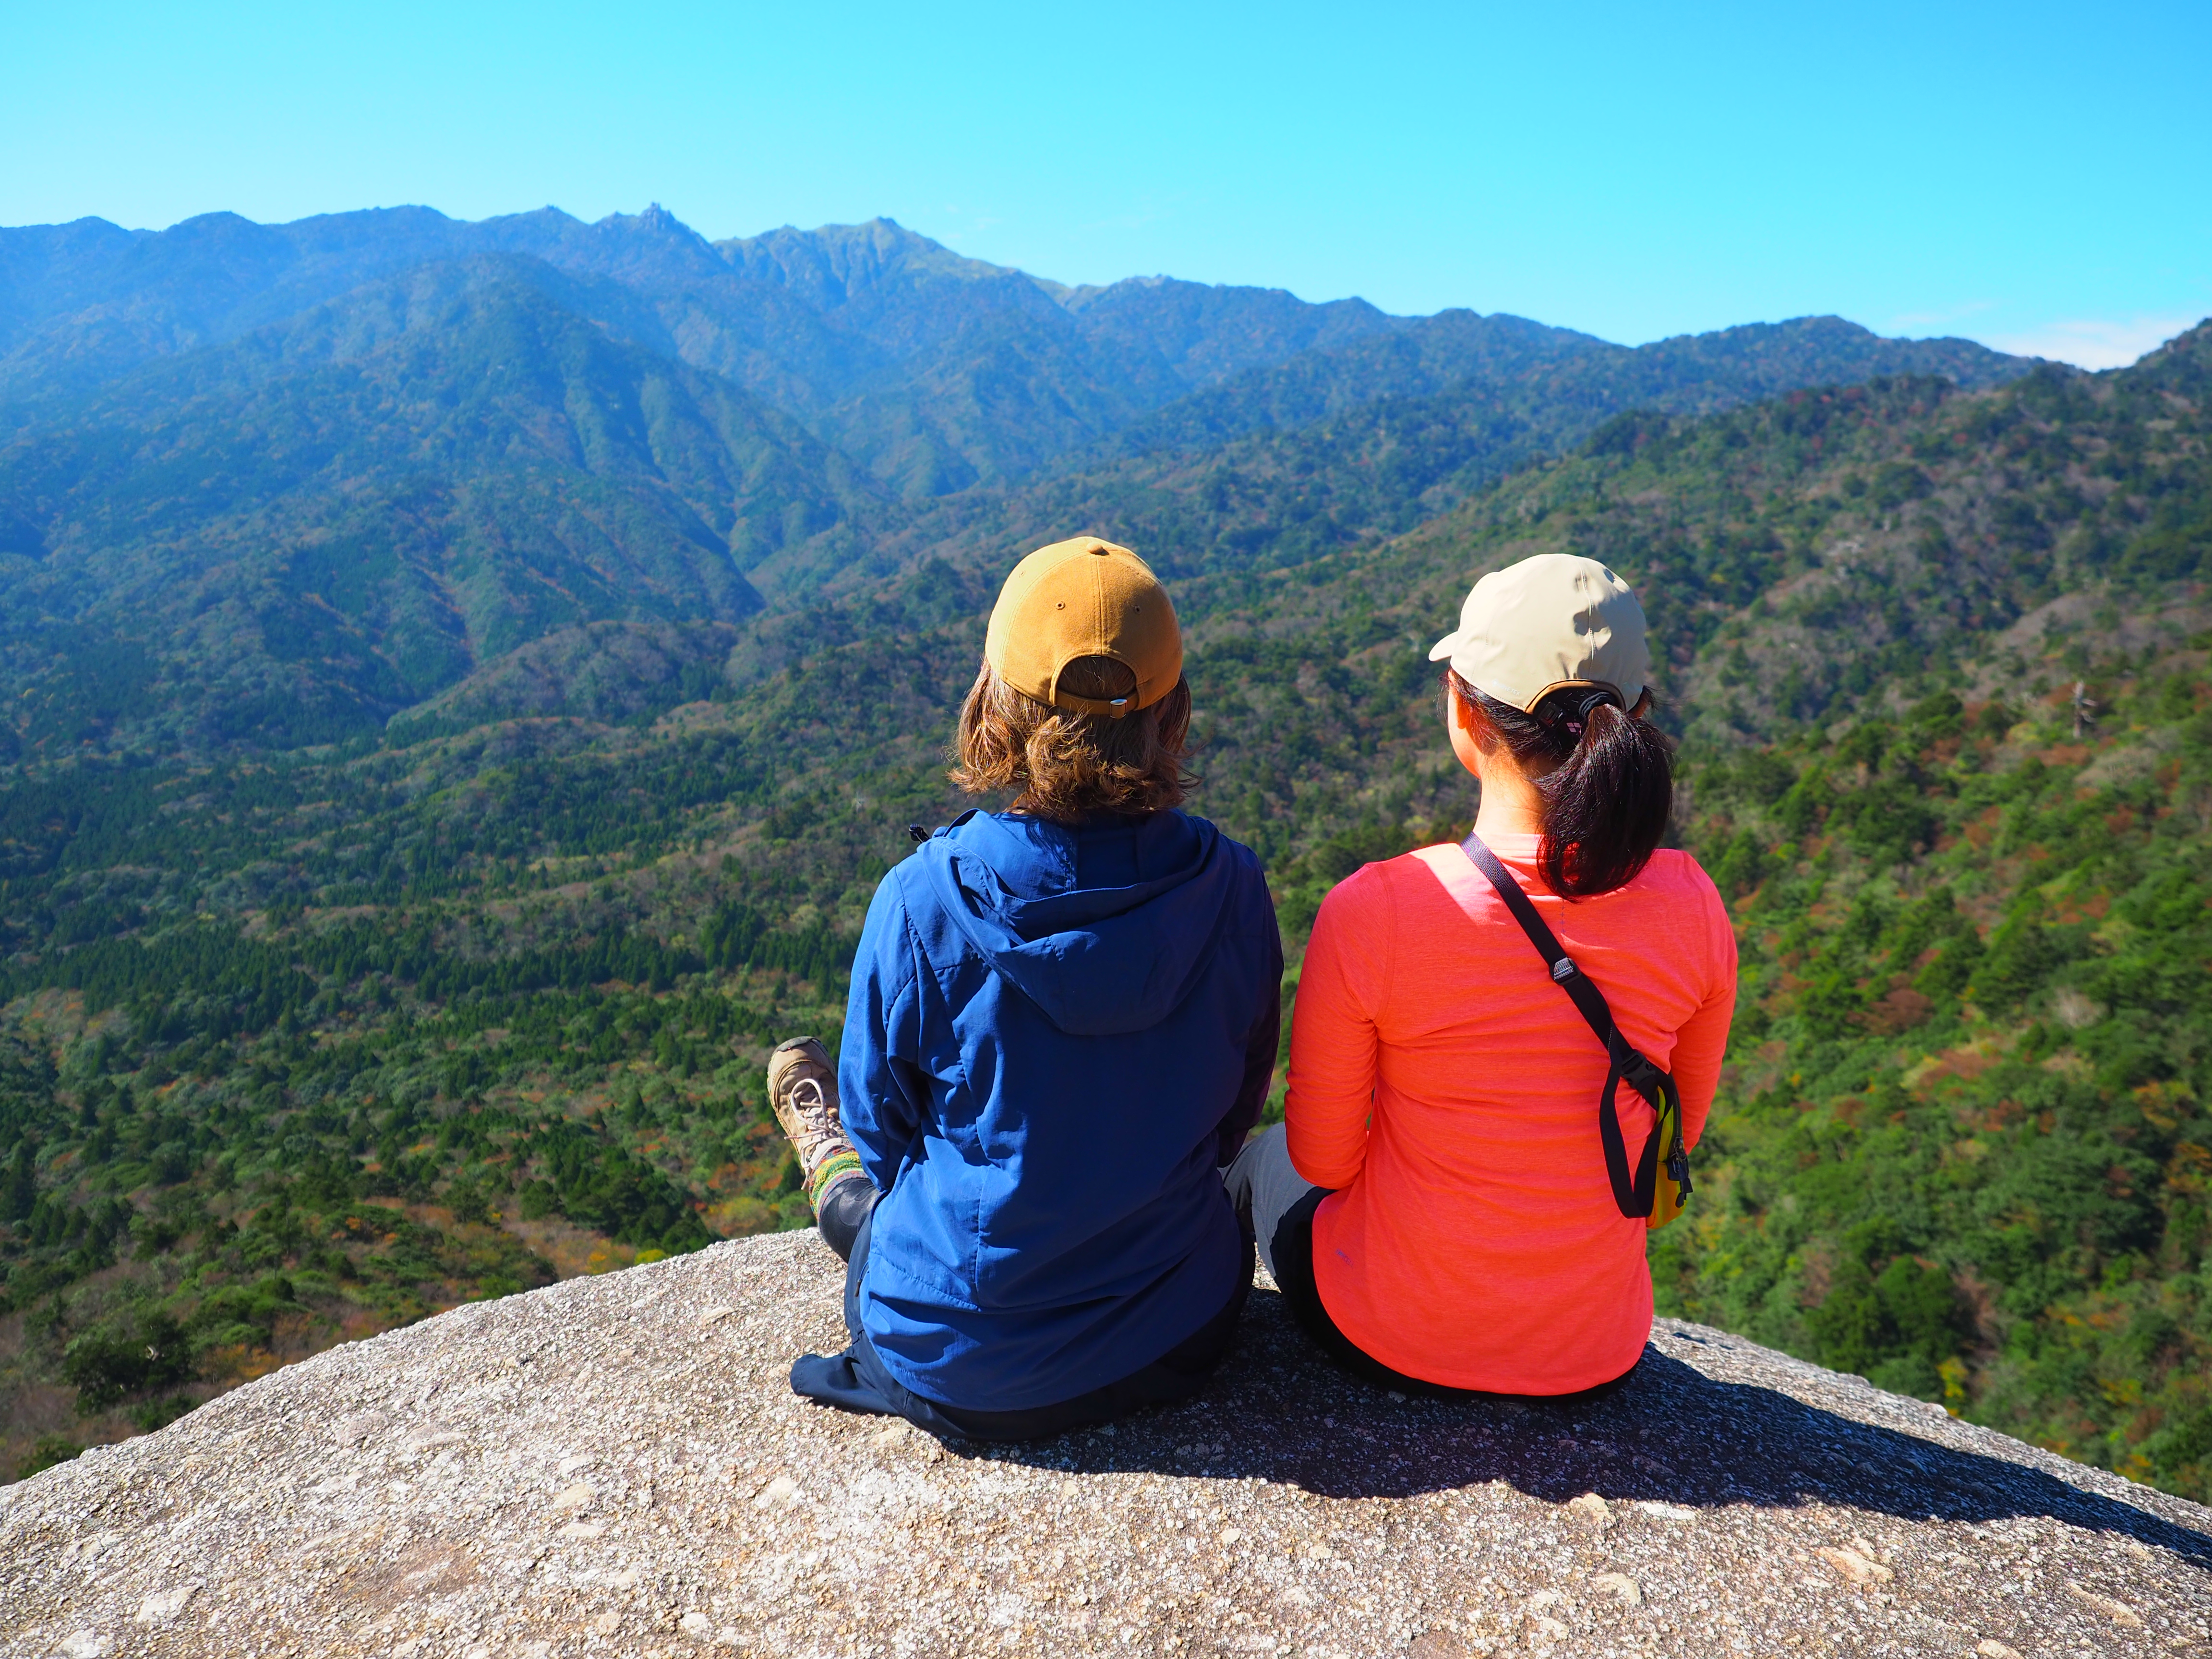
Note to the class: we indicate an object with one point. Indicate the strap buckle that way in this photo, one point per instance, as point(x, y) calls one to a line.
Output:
point(1564, 970)
point(1641, 1073)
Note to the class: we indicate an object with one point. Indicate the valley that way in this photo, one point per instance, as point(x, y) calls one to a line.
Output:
point(464, 682)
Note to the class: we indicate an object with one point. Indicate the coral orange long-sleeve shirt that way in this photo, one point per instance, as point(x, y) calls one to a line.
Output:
point(1448, 1089)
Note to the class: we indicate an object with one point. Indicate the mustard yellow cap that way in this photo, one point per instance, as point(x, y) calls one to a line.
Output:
point(1084, 598)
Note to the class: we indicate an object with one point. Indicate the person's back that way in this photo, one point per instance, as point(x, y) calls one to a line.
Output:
point(1063, 1021)
point(1438, 1207)
point(1478, 1187)
point(1067, 1012)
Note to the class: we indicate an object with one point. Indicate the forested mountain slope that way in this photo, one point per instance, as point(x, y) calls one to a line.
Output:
point(300, 1042)
point(1429, 355)
point(1346, 448)
point(509, 428)
point(935, 370)
point(302, 1047)
point(943, 369)
point(290, 537)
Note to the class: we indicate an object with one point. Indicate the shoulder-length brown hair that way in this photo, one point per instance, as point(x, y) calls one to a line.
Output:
point(1070, 766)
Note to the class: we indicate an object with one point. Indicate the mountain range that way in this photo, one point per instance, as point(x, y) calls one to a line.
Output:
point(466, 681)
point(281, 483)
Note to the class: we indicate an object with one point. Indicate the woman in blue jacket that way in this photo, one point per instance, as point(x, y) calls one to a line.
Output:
point(1063, 1022)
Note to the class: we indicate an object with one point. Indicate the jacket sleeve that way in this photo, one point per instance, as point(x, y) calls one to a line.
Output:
point(1335, 1048)
point(1702, 1044)
point(1261, 1043)
point(881, 1096)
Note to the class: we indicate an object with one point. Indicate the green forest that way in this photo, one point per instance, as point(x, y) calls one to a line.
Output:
point(309, 1034)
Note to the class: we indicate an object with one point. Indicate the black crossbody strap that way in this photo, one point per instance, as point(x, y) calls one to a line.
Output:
point(1635, 1194)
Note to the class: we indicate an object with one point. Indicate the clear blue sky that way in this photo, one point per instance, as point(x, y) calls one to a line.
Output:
point(2037, 176)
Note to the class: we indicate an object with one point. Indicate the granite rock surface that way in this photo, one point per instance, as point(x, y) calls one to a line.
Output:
point(615, 1466)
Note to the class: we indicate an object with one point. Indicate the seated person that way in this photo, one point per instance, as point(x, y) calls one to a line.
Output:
point(1062, 1024)
point(1440, 1208)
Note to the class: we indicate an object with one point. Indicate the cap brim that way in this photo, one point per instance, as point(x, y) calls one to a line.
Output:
point(1443, 648)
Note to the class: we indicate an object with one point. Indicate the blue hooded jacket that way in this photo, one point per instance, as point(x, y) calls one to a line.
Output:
point(1055, 1037)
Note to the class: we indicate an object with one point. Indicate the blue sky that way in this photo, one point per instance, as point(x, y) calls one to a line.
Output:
point(2034, 176)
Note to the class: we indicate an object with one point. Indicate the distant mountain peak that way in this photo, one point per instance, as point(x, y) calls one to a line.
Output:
point(857, 254)
point(877, 268)
point(655, 219)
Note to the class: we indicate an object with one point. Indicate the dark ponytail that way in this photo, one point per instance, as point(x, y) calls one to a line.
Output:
point(1606, 775)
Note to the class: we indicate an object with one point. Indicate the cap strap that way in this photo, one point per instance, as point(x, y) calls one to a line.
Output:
point(1611, 691)
point(1112, 708)
point(1117, 709)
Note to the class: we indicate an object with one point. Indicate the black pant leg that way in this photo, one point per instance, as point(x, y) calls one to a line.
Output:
point(1294, 1276)
point(844, 1207)
point(857, 1380)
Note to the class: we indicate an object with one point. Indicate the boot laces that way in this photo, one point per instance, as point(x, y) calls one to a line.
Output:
point(807, 1095)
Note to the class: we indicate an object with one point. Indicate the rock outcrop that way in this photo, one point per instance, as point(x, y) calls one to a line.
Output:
point(615, 1466)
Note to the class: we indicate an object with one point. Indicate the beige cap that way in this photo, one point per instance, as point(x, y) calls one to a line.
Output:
point(1084, 598)
point(1553, 621)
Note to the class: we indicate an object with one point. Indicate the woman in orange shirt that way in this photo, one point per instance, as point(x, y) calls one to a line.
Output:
point(1439, 1206)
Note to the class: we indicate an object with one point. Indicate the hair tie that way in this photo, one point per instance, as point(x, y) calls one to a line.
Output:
point(1570, 709)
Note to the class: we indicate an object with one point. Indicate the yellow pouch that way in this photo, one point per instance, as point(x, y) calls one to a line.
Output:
point(1668, 1194)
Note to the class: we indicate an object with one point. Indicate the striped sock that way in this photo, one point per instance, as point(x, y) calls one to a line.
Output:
point(838, 1166)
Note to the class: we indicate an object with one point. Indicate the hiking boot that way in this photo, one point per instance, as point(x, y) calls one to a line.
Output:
point(802, 1091)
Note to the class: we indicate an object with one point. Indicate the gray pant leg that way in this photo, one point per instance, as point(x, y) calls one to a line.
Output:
point(1263, 1185)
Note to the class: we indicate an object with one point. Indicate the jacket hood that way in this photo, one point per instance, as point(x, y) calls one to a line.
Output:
point(1105, 927)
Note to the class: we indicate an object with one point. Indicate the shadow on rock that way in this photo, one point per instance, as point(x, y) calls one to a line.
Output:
point(1279, 1410)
